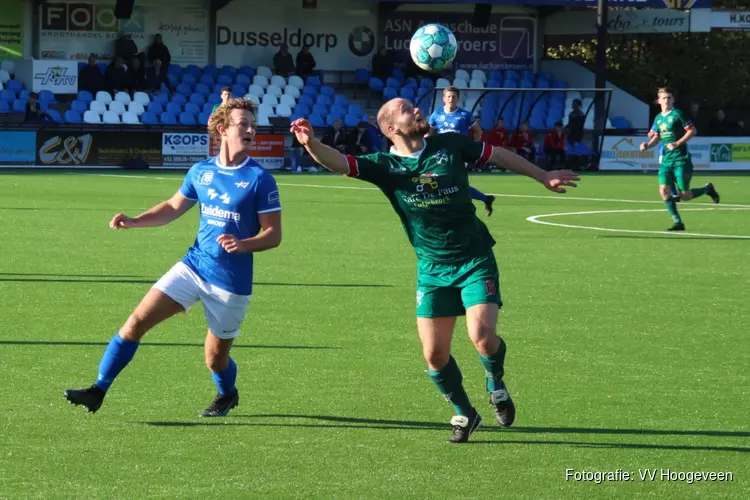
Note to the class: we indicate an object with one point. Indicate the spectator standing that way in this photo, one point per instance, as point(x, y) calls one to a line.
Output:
point(305, 62)
point(125, 47)
point(522, 140)
point(554, 146)
point(382, 65)
point(159, 51)
point(283, 64)
point(90, 77)
point(336, 137)
point(359, 140)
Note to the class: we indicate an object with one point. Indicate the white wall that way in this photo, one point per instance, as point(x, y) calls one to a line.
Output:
point(623, 103)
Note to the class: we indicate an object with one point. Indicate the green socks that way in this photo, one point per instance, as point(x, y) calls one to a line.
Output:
point(493, 367)
point(448, 381)
point(672, 209)
point(698, 191)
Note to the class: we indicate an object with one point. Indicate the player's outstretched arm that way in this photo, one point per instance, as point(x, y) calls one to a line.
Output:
point(160, 215)
point(326, 156)
point(554, 180)
point(268, 238)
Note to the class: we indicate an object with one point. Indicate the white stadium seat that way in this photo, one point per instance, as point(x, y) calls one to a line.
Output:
point(460, 83)
point(117, 107)
point(442, 83)
point(111, 117)
point(265, 109)
point(142, 98)
point(263, 121)
point(8, 66)
point(292, 91)
point(279, 81)
point(480, 75)
point(130, 118)
point(4, 76)
point(296, 81)
point(260, 80)
point(103, 97)
point(256, 90)
point(91, 117)
point(270, 99)
point(462, 74)
point(288, 101)
point(122, 97)
point(264, 71)
point(252, 98)
point(476, 84)
point(273, 90)
point(283, 110)
point(98, 107)
point(136, 108)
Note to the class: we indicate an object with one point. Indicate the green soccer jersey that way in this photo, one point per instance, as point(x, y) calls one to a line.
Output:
point(671, 127)
point(214, 108)
point(430, 192)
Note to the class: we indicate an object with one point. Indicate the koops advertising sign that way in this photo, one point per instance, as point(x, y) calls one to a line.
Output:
point(184, 149)
point(340, 33)
point(707, 153)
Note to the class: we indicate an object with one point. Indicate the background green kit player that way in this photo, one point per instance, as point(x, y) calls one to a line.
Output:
point(426, 181)
point(674, 130)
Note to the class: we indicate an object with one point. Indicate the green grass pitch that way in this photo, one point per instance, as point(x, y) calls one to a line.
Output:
point(627, 350)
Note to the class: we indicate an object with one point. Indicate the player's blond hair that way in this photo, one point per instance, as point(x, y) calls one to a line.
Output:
point(222, 115)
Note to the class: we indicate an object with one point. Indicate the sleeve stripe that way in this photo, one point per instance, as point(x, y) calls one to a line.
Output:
point(353, 167)
point(277, 209)
point(486, 153)
point(690, 127)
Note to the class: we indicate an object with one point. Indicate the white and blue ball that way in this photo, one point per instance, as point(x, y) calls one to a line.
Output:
point(433, 47)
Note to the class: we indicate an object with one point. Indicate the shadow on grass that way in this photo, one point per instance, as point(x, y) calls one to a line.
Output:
point(158, 344)
point(334, 422)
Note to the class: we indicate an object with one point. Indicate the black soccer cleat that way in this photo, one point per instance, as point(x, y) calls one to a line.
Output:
point(678, 226)
point(463, 427)
point(488, 205)
point(505, 410)
point(221, 405)
point(711, 191)
point(91, 397)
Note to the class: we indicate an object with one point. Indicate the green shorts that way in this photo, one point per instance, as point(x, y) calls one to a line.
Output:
point(449, 289)
point(680, 173)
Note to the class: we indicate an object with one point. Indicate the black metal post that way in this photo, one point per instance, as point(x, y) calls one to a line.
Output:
point(600, 80)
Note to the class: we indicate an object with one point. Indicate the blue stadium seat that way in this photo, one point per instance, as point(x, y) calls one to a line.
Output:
point(203, 117)
point(217, 88)
point(149, 118)
point(309, 90)
point(4, 107)
point(179, 99)
point(393, 83)
point(19, 106)
point(247, 70)
point(426, 83)
point(351, 120)
point(327, 90)
point(189, 79)
point(537, 122)
point(202, 89)
point(408, 93)
point(390, 93)
point(193, 108)
point(559, 84)
point(79, 106)
point(525, 84)
point(319, 109)
point(361, 75)
point(306, 99)
point(354, 109)
point(341, 100)
point(85, 96)
point(512, 75)
point(337, 110)
point(72, 116)
point(225, 80)
point(302, 109)
point(193, 70)
point(323, 99)
point(207, 80)
point(214, 98)
point(243, 80)
point(546, 75)
point(211, 71)
point(314, 81)
point(332, 118)
point(187, 118)
point(620, 122)
point(207, 107)
point(54, 115)
point(7, 95)
point(411, 82)
point(23, 94)
point(102, 67)
point(316, 120)
point(398, 75)
point(154, 107)
point(376, 84)
point(166, 118)
point(174, 108)
point(162, 97)
point(184, 89)
point(175, 69)
point(296, 116)
point(173, 80)
point(198, 99)
point(238, 90)
point(227, 70)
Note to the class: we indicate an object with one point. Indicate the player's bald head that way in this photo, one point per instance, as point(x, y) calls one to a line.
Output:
point(386, 113)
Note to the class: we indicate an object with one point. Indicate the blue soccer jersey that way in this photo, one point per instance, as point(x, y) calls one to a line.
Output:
point(230, 199)
point(459, 121)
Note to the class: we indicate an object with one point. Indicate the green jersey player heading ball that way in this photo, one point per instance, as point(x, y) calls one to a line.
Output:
point(674, 130)
point(426, 181)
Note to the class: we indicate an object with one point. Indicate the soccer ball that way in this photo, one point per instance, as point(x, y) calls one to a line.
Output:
point(433, 47)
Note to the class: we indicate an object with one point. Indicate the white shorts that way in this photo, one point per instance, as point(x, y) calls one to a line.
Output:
point(224, 310)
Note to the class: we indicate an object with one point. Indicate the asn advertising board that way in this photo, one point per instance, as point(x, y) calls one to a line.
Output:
point(339, 33)
point(507, 42)
point(17, 147)
point(707, 153)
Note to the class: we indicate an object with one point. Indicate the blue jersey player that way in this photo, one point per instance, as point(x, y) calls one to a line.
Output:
point(451, 118)
point(240, 215)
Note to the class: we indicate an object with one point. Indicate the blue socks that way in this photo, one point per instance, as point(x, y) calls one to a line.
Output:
point(226, 378)
point(118, 354)
point(477, 194)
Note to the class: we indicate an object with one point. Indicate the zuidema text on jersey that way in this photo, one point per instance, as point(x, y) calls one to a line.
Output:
point(214, 211)
point(325, 41)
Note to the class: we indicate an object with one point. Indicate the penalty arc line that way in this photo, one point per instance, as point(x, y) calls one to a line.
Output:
point(536, 220)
